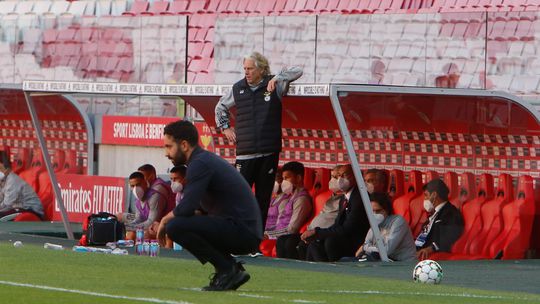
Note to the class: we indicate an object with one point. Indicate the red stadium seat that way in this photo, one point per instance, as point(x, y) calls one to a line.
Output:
point(320, 184)
point(179, 7)
point(472, 215)
point(492, 217)
point(396, 183)
point(71, 165)
point(319, 202)
point(518, 217)
point(157, 8)
point(137, 8)
point(309, 178)
point(467, 190)
point(267, 248)
point(401, 205)
point(31, 175)
point(451, 180)
point(27, 217)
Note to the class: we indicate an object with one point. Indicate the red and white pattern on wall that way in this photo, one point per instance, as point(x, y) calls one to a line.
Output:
point(424, 151)
point(17, 131)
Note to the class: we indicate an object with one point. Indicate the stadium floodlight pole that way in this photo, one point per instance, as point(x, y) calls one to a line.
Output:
point(48, 164)
point(346, 135)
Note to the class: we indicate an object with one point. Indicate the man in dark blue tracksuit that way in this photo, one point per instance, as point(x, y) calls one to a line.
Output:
point(218, 214)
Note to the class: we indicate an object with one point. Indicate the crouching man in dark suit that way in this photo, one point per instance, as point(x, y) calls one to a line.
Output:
point(444, 225)
point(232, 220)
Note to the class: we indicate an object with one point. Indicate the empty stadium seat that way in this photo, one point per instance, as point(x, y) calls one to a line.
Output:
point(21, 160)
point(71, 164)
point(467, 189)
point(396, 183)
point(320, 183)
point(37, 166)
point(137, 8)
point(309, 178)
point(401, 205)
point(492, 217)
point(517, 217)
point(451, 180)
point(472, 217)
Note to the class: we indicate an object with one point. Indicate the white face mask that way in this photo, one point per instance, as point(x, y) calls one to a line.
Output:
point(370, 187)
point(138, 192)
point(287, 187)
point(428, 206)
point(344, 184)
point(2, 175)
point(379, 218)
point(177, 187)
point(333, 185)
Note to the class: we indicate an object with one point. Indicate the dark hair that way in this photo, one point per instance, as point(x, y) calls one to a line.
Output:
point(180, 170)
point(147, 168)
point(380, 175)
point(437, 185)
point(382, 199)
point(135, 175)
point(182, 130)
point(295, 167)
point(4, 158)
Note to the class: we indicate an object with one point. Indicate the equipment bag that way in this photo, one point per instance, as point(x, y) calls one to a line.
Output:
point(102, 228)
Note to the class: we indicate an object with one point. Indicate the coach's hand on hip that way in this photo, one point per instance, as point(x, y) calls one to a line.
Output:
point(230, 134)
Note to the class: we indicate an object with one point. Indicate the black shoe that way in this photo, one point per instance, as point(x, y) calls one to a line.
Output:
point(228, 280)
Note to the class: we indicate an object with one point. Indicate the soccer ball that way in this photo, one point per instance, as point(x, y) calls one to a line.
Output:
point(428, 272)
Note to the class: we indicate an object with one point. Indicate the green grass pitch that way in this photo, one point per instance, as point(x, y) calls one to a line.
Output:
point(31, 274)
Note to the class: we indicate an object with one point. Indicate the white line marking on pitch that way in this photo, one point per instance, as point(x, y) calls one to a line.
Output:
point(91, 293)
point(367, 292)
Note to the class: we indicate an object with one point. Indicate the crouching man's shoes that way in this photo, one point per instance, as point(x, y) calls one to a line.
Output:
point(230, 280)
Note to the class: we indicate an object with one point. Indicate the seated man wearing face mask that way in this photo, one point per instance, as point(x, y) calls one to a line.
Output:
point(177, 175)
point(395, 233)
point(158, 185)
point(376, 181)
point(444, 225)
point(16, 195)
point(289, 211)
point(149, 208)
point(328, 214)
point(349, 229)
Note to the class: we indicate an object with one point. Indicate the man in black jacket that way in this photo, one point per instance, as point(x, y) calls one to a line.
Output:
point(444, 225)
point(257, 99)
point(213, 187)
point(348, 231)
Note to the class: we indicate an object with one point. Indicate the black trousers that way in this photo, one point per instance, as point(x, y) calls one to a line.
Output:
point(286, 246)
point(331, 249)
point(261, 172)
point(212, 239)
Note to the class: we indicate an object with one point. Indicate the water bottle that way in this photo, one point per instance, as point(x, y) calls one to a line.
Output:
point(81, 249)
point(154, 248)
point(146, 248)
point(139, 235)
point(139, 249)
point(125, 243)
point(91, 249)
point(53, 246)
point(119, 251)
